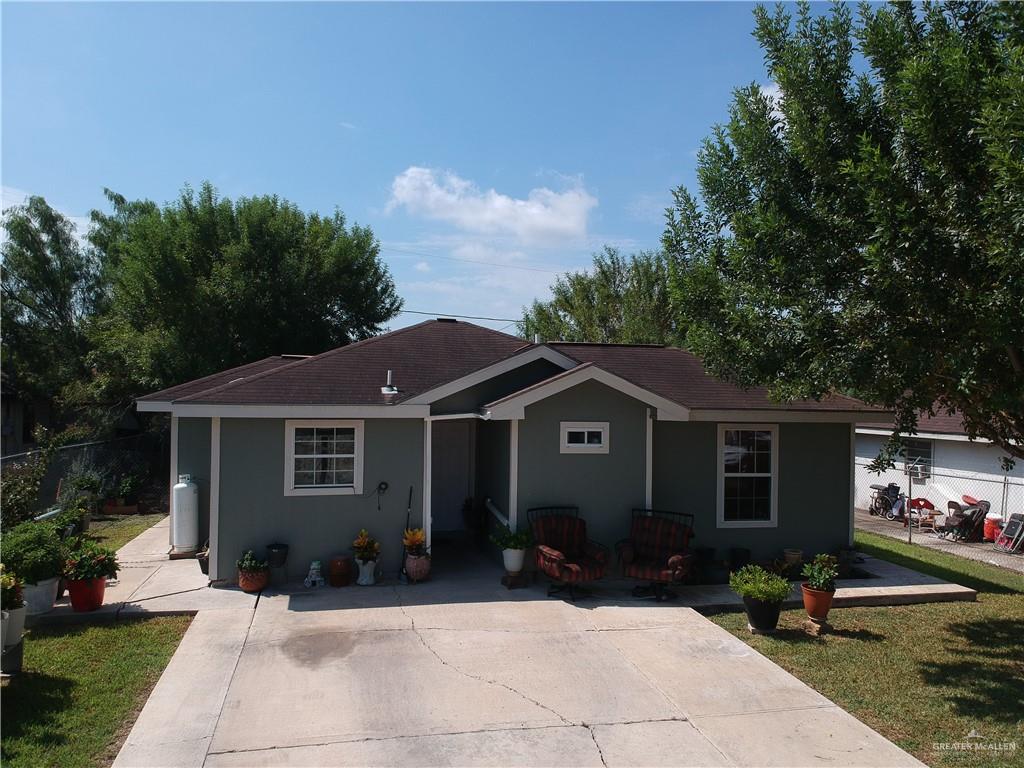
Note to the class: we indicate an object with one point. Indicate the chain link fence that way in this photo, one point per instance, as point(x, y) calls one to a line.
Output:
point(941, 485)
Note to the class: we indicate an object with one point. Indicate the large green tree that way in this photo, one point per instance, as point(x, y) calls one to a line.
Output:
point(205, 283)
point(50, 289)
point(864, 231)
point(620, 300)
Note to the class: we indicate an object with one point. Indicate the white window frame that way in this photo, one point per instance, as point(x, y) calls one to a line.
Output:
point(922, 471)
point(290, 425)
point(771, 522)
point(566, 427)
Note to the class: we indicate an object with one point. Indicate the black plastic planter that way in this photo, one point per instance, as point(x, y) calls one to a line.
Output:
point(277, 554)
point(762, 617)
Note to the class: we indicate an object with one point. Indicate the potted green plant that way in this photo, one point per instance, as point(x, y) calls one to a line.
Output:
point(35, 552)
point(367, 551)
point(87, 568)
point(513, 547)
point(820, 587)
point(12, 602)
point(253, 573)
point(417, 560)
point(763, 593)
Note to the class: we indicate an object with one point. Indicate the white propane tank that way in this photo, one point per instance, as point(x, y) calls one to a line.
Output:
point(185, 515)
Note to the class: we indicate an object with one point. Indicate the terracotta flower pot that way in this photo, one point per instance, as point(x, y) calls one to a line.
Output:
point(417, 567)
point(253, 581)
point(87, 594)
point(817, 602)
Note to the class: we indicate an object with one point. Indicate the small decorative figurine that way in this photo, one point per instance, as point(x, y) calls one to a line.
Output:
point(314, 579)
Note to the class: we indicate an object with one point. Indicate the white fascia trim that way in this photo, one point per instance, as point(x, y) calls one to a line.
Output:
point(303, 411)
point(515, 407)
point(497, 369)
point(457, 416)
point(788, 416)
point(153, 406)
point(720, 521)
point(925, 435)
point(355, 489)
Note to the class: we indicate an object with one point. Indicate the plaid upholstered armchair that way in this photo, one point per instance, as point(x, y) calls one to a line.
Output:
point(657, 551)
point(564, 553)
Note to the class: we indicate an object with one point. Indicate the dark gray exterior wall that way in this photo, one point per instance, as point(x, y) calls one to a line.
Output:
point(604, 486)
point(255, 512)
point(194, 459)
point(492, 462)
point(813, 493)
point(472, 398)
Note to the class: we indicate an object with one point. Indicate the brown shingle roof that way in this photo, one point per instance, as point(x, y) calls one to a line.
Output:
point(680, 376)
point(217, 379)
point(420, 357)
point(941, 423)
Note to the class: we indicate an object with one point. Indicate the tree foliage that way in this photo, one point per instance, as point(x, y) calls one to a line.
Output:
point(865, 231)
point(50, 289)
point(620, 300)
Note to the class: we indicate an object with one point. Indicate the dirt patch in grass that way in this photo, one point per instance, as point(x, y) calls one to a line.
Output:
point(81, 690)
point(922, 675)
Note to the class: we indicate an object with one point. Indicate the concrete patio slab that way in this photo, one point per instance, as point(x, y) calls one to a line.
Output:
point(665, 744)
point(151, 545)
point(820, 736)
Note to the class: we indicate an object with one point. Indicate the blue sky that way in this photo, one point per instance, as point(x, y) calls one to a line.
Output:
point(497, 134)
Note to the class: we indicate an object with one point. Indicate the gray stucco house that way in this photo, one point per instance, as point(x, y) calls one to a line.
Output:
point(293, 448)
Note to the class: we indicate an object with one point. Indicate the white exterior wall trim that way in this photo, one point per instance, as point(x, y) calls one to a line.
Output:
point(427, 471)
point(173, 478)
point(926, 435)
point(513, 476)
point(153, 406)
point(781, 415)
point(214, 496)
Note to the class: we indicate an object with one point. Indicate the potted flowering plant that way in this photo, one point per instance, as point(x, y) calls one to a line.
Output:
point(417, 561)
point(513, 547)
point(367, 551)
point(12, 603)
point(87, 569)
point(35, 552)
point(763, 593)
point(820, 587)
point(253, 573)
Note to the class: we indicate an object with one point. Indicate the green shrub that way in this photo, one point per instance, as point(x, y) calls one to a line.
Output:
point(88, 560)
point(506, 539)
point(251, 564)
point(821, 573)
point(755, 582)
point(34, 551)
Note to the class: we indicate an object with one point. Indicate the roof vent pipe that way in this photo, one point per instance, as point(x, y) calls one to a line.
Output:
point(389, 388)
point(536, 338)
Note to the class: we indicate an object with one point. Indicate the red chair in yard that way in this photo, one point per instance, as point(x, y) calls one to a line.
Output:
point(657, 551)
point(564, 553)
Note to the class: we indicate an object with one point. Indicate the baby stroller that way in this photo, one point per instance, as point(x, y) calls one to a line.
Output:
point(964, 523)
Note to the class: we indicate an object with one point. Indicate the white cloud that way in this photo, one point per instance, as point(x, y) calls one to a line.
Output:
point(347, 125)
point(773, 92)
point(543, 218)
point(421, 266)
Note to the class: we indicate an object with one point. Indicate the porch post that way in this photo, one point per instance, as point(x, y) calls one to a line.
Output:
point(853, 480)
point(214, 494)
point(513, 475)
point(649, 466)
point(174, 478)
point(427, 451)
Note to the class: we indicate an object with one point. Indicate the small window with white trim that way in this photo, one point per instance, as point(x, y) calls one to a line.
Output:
point(584, 437)
point(323, 457)
point(917, 457)
point(747, 475)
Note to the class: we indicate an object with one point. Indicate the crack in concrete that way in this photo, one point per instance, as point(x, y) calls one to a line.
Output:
point(227, 688)
point(593, 738)
point(478, 678)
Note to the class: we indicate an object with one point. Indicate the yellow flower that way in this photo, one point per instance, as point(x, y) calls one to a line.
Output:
point(414, 537)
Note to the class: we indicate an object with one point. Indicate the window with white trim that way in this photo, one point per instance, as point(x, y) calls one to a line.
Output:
point(747, 475)
point(584, 437)
point(323, 457)
point(917, 457)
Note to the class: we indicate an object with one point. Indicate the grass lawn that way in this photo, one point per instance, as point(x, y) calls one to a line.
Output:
point(81, 689)
point(114, 531)
point(919, 674)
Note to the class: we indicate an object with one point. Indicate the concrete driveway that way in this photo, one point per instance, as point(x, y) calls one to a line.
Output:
point(467, 673)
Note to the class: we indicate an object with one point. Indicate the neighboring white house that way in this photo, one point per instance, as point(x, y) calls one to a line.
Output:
point(948, 465)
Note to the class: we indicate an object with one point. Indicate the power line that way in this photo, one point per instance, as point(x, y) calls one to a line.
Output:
point(470, 261)
point(464, 317)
